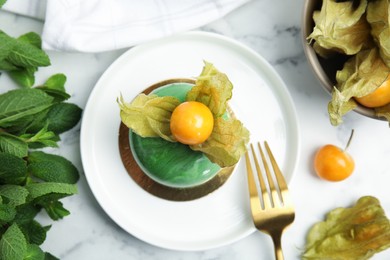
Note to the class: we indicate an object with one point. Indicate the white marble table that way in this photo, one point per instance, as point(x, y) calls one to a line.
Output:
point(272, 28)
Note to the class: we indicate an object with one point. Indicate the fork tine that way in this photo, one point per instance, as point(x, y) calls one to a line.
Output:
point(255, 200)
point(264, 192)
point(279, 176)
point(274, 193)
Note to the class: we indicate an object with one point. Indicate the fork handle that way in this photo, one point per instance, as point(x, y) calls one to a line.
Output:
point(277, 239)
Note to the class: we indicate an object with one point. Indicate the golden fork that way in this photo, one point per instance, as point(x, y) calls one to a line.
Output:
point(274, 211)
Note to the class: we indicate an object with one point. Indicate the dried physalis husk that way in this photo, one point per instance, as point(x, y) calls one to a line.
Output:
point(227, 142)
point(378, 18)
point(340, 27)
point(361, 75)
point(213, 88)
point(350, 233)
point(149, 115)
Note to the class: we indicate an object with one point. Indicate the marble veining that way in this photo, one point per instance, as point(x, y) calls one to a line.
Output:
point(271, 28)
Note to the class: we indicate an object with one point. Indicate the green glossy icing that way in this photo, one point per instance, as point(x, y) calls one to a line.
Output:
point(172, 164)
point(178, 90)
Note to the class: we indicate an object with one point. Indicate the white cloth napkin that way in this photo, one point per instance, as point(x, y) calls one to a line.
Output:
point(102, 25)
point(31, 8)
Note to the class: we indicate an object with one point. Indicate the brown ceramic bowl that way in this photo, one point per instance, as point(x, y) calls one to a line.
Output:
point(325, 69)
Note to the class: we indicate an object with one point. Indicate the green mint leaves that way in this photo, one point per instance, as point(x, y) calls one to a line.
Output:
point(22, 56)
point(52, 168)
point(20, 105)
point(32, 118)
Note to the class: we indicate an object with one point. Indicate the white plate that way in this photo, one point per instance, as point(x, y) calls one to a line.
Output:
point(260, 100)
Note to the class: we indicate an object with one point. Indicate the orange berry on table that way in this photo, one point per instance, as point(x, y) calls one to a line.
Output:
point(332, 163)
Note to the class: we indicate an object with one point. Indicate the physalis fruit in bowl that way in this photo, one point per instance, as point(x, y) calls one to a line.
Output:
point(351, 39)
point(201, 121)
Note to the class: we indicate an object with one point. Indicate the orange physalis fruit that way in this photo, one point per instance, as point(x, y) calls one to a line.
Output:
point(332, 163)
point(191, 123)
point(378, 98)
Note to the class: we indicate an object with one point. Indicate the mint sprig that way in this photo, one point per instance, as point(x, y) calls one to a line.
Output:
point(21, 57)
point(32, 118)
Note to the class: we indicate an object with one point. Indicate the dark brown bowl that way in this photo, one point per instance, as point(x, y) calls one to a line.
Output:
point(325, 69)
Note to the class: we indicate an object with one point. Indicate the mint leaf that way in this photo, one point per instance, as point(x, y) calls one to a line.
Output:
point(25, 55)
point(34, 252)
point(21, 57)
point(6, 65)
point(7, 213)
point(32, 38)
point(52, 142)
point(63, 116)
point(26, 213)
point(13, 244)
point(39, 121)
point(55, 87)
point(13, 170)
point(47, 194)
point(55, 210)
point(34, 232)
point(17, 105)
point(58, 95)
point(37, 190)
point(13, 145)
point(24, 77)
point(23, 118)
point(15, 101)
point(56, 81)
point(6, 44)
point(14, 194)
point(49, 256)
point(52, 168)
point(41, 139)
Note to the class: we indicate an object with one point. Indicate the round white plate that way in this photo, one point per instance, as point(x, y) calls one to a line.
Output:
point(260, 100)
